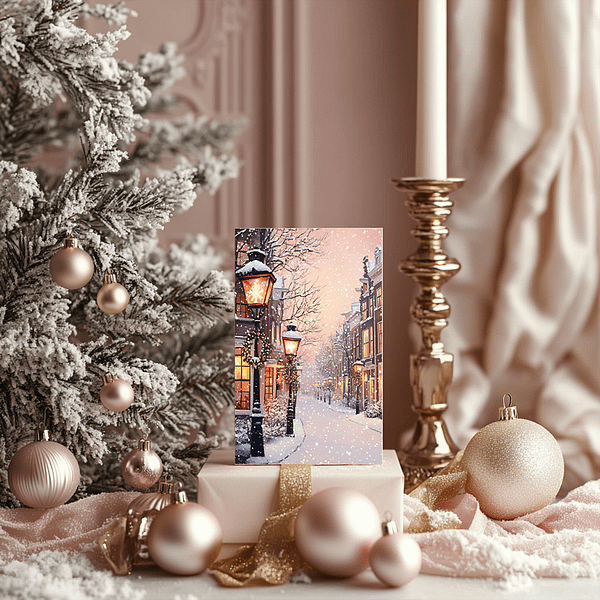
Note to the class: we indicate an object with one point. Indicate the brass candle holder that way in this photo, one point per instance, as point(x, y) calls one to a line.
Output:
point(431, 448)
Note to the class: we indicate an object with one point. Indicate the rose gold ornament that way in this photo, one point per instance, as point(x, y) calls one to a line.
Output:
point(71, 267)
point(142, 467)
point(514, 466)
point(139, 518)
point(184, 538)
point(43, 474)
point(335, 530)
point(116, 394)
point(396, 557)
point(112, 298)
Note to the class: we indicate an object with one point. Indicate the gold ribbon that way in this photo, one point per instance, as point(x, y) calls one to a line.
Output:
point(274, 558)
point(436, 490)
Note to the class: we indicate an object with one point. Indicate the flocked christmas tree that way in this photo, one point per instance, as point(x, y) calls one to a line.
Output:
point(61, 87)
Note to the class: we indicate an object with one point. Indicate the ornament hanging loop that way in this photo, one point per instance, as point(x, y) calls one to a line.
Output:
point(507, 412)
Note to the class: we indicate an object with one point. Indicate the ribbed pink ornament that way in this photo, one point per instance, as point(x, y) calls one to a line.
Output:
point(43, 474)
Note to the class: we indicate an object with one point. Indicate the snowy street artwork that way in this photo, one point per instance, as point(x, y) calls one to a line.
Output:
point(308, 345)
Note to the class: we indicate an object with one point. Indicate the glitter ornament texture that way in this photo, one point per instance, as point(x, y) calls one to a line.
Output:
point(185, 537)
point(43, 474)
point(116, 394)
point(396, 557)
point(514, 466)
point(112, 298)
point(335, 530)
point(142, 467)
point(71, 267)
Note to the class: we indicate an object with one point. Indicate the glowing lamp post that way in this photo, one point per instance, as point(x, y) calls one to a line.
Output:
point(291, 340)
point(257, 281)
point(357, 368)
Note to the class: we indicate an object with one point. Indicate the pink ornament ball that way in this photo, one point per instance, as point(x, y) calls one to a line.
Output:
point(43, 474)
point(335, 530)
point(396, 559)
point(116, 395)
point(185, 538)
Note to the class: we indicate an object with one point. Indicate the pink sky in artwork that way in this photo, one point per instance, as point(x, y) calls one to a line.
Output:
point(338, 271)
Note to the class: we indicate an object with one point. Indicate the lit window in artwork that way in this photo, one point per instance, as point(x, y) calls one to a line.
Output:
point(242, 382)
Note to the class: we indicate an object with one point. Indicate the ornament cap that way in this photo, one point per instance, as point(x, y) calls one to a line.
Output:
point(165, 485)
point(109, 277)
point(144, 444)
point(389, 527)
point(42, 434)
point(180, 495)
point(71, 242)
point(507, 412)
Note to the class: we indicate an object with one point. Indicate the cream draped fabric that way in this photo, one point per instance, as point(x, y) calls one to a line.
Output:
point(524, 132)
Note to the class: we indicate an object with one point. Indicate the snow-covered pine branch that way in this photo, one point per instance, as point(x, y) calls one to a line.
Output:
point(61, 86)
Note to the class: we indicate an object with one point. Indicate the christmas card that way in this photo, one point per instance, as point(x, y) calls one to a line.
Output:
point(308, 346)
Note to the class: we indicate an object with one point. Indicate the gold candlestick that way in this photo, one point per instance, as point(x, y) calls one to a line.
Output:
point(431, 448)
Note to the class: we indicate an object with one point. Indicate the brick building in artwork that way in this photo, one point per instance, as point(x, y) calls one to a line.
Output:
point(362, 335)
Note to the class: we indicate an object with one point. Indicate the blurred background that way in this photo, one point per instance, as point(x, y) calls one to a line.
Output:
point(328, 90)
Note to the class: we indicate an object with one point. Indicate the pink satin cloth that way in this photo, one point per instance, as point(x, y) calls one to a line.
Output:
point(71, 527)
point(560, 540)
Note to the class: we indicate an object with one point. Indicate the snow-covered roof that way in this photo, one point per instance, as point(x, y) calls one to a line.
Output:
point(253, 267)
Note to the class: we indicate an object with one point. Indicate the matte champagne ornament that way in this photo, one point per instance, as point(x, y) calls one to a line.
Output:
point(185, 537)
point(43, 474)
point(116, 394)
point(335, 530)
point(112, 298)
point(514, 466)
point(142, 467)
point(71, 267)
point(396, 557)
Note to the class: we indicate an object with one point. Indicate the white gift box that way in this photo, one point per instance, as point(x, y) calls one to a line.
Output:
point(243, 496)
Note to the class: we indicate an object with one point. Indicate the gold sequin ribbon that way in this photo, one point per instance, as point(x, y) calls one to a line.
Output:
point(436, 490)
point(274, 558)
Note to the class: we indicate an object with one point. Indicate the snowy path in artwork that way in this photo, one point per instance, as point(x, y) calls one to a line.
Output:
point(334, 435)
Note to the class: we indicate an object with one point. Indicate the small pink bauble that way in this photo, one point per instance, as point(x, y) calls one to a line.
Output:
point(185, 538)
point(71, 267)
point(43, 474)
point(142, 467)
point(116, 394)
point(514, 466)
point(396, 557)
point(112, 297)
point(335, 530)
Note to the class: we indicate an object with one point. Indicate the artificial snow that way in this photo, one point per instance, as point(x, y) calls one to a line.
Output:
point(52, 575)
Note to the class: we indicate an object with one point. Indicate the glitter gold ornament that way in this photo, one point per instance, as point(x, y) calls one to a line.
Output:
point(124, 544)
point(142, 467)
point(185, 537)
point(335, 530)
point(116, 394)
point(71, 267)
point(514, 466)
point(139, 518)
point(43, 474)
point(396, 557)
point(112, 298)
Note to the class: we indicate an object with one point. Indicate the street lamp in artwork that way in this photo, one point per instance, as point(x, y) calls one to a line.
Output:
point(257, 281)
point(291, 340)
point(357, 368)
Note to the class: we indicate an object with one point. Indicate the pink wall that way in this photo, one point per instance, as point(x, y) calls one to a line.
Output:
point(329, 89)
